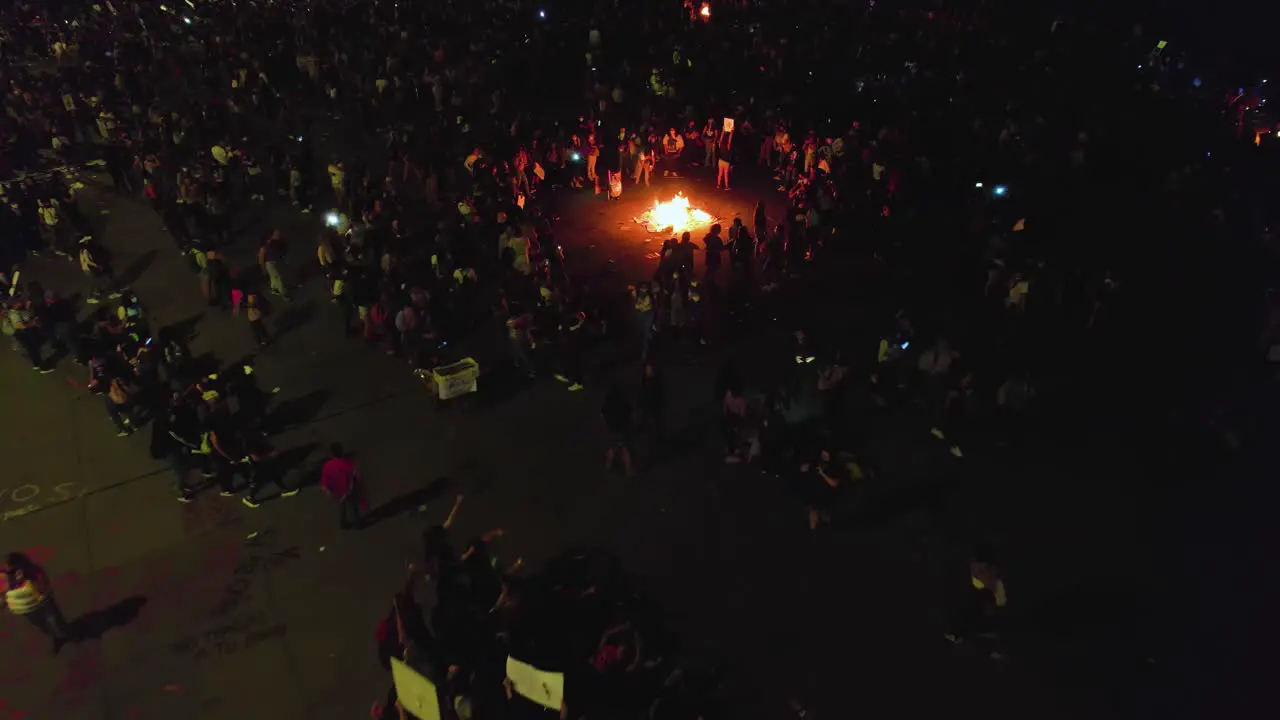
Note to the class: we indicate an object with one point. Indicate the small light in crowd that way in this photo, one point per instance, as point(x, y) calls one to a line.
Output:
point(186, 20)
point(575, 157)
point(977, 185)
point(1139, 66)
point(999, 190)
point(331, 219)
point(705, 11)
point(1195, 82)
point(905, 344)
point(542, 14)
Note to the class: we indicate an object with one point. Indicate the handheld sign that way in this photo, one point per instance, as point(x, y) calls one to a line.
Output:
point(416, 693)
point(540, 686)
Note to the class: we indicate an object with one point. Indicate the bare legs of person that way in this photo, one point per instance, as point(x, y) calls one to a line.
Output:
point(618, 450)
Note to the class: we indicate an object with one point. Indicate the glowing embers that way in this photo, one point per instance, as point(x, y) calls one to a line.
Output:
point(674, 216)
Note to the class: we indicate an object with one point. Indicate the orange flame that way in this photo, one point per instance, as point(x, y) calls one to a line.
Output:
point(675, 214)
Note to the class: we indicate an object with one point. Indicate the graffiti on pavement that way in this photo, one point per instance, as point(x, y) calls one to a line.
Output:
point(24, 499)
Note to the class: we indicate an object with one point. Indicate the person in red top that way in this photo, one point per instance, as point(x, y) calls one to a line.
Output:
point(339, 479)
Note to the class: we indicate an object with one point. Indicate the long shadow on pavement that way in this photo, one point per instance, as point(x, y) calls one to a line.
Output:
point(298, 410)
point(501, 385)
point(291, 317)
point(94, 624)
point(136, 268)
point(405, 502)
point(288, 460)
point(183, 331)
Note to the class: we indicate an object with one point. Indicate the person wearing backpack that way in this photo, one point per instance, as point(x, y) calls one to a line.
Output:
point(119, 401)
point(96, 265)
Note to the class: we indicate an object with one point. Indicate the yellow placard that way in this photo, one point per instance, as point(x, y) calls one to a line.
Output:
point(540, 686)
point(417, 694)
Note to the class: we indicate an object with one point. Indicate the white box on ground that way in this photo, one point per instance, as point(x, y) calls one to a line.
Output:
point(456, 379)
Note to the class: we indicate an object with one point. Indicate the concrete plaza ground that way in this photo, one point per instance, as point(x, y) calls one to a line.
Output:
point(214, 610)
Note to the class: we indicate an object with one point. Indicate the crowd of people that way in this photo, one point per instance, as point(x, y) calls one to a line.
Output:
point(926, 168)
point(578, 619)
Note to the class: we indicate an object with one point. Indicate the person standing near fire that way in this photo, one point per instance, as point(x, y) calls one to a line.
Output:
point(613, 153)
point(593, 157)
point(724, 152)
point(672, 147)
point(710, 139)
point(644, 164)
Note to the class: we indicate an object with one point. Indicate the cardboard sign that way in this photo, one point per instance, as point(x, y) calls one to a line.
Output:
point(416, 693)
point(540, 686)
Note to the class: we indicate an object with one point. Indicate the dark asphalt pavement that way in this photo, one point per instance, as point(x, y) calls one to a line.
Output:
point(195, 616)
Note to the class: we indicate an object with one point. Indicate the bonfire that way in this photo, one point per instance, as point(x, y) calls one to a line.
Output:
point(673, 216)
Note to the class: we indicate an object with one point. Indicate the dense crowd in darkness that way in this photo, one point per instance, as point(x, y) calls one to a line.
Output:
point(960, 167)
